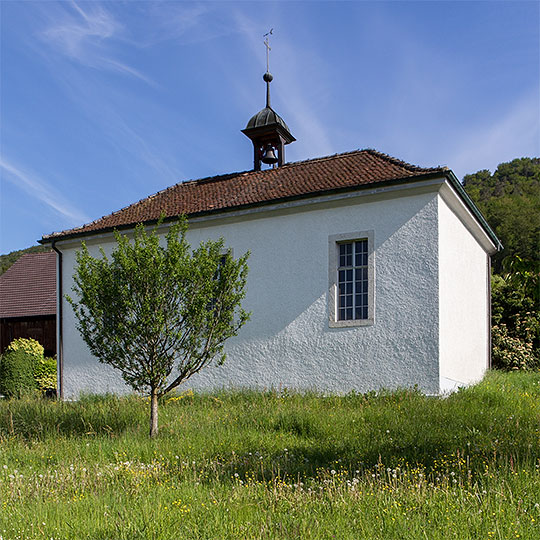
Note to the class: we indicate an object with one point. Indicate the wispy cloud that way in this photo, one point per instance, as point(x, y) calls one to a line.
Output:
point(186, 23)
point(40, 189)
point(124, 68)
point(514, 134)
point(86, 36)
point(78, 31)
point(112, 111)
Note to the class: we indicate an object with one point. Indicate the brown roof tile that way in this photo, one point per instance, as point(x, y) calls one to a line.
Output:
point(28, 287)
point(225, 192)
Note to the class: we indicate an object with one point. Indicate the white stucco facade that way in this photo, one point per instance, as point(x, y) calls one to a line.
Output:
point(429, 326)
point(464, 328)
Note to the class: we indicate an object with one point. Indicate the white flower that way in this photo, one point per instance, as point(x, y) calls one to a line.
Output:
point(332, 472)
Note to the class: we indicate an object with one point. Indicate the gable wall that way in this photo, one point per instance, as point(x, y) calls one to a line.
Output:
point(463, 308)
point(288, 341)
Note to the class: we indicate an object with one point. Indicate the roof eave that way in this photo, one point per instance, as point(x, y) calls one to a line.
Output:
point(458, 186)
point(51, 239)
point(446, 173)
point(258, 131)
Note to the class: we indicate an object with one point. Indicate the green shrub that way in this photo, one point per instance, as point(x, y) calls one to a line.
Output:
point(45, 373)
point(17, 373)
point(510, 352)
point(23, 369)
point(515, 318)
point(28, 345)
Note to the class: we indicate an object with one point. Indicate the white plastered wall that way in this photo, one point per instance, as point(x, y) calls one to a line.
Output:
point(288, 341)
point(463, 304)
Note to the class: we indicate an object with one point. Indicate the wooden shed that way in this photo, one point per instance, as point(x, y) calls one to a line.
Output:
point(28, 301)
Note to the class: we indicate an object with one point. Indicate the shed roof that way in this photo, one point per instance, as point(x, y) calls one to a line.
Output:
point(28, 287)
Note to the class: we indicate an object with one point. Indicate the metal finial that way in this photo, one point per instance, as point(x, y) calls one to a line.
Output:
point(268, 48)
point(267, 77)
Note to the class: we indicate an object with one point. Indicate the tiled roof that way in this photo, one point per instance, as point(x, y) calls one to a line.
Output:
point(28, 287)
point(231, 191)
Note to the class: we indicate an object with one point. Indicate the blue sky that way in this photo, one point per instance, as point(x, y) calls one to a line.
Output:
point(104, 103)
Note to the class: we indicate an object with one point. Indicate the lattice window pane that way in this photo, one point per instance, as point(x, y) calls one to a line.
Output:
point(353, 280)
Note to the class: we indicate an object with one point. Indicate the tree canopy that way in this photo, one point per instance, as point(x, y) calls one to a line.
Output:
point(510, 200)
point(157, 313)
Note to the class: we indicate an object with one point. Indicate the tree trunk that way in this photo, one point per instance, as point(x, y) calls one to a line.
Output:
point(153, 413)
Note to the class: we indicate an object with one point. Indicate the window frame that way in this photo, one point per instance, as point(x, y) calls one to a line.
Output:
point(334, 241)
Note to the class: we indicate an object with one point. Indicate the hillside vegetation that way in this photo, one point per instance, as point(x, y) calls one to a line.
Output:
point(277, 465)
point(510, 201)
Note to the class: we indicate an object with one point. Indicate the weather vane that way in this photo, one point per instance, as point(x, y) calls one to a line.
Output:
point(267, 45)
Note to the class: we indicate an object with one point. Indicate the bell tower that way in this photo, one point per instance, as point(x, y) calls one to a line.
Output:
point(267, 130)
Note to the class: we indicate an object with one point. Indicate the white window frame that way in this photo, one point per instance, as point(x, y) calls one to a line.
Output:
point(333, 265)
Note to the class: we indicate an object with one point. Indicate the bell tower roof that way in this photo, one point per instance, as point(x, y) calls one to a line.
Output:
point(267, 122)
point(266, 117)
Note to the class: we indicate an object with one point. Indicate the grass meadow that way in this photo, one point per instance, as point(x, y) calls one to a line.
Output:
point(276, 465)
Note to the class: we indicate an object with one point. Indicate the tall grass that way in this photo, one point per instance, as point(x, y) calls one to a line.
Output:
point(247, 464)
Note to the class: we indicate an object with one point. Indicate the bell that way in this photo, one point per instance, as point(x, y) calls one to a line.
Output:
point(269, 157)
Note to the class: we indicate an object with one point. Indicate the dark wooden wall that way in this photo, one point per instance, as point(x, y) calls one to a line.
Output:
point(42, 329)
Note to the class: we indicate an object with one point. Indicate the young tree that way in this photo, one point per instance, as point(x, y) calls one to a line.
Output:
point(150, 308)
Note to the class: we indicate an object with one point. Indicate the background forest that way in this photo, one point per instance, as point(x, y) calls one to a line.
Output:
point(510, 201)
